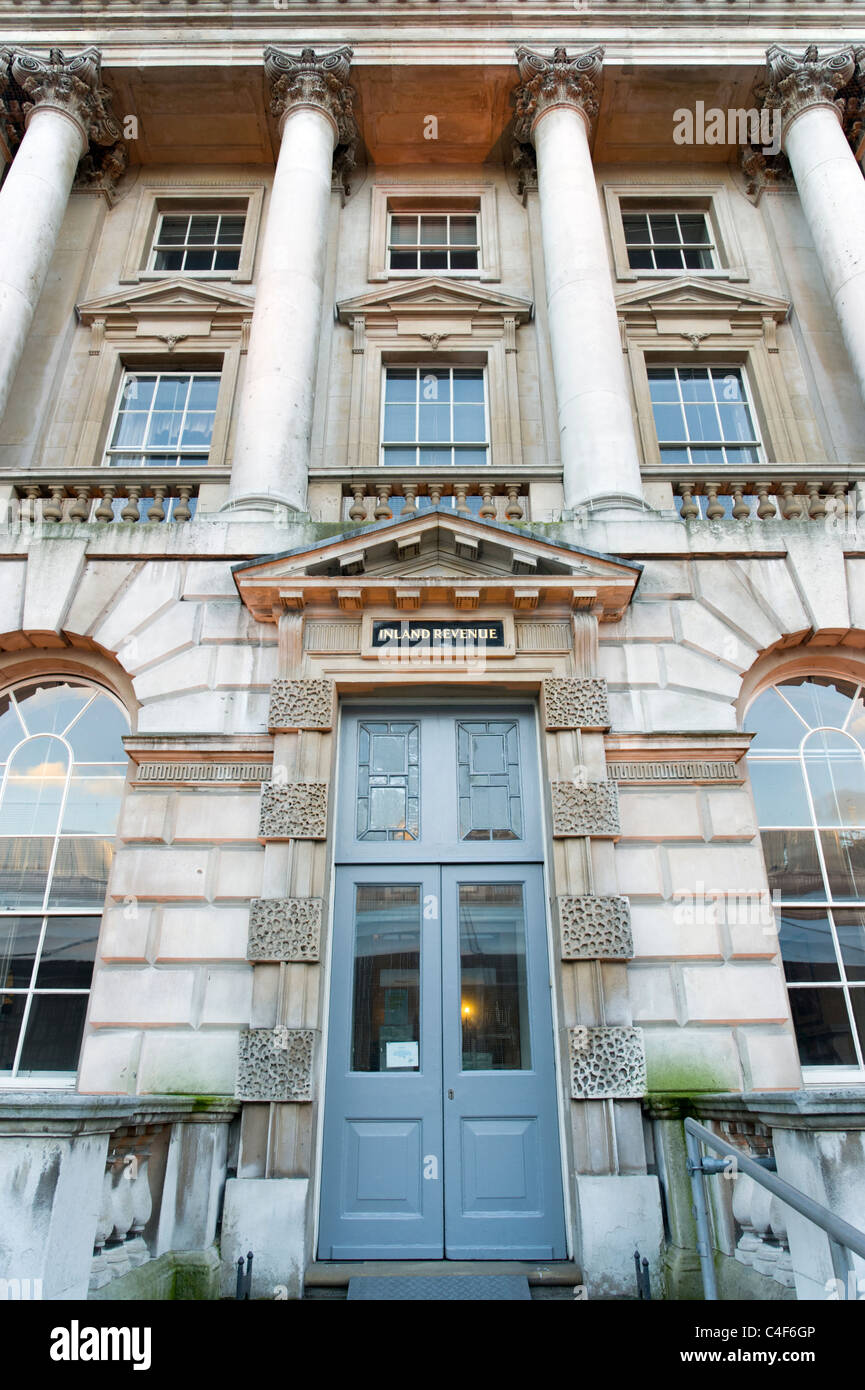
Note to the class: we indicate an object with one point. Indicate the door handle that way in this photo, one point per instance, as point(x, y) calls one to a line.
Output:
point(450, 1095)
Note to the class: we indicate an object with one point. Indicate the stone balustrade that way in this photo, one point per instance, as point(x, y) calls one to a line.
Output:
point(765, 496)
point(381, 498)
point(105, 495)
point(127, 1205)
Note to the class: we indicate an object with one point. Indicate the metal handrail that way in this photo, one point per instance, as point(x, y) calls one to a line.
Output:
point(842, 1236)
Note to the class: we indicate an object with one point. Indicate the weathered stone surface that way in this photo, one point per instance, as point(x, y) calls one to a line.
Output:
point(571, 702)
point(284, 929)
point(275, 1064)
point(296, 811)
point(595, 928)
point(301, 704)
point(585, 808)
point(607, 1063)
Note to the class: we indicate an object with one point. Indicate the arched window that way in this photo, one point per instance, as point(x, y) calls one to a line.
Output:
point(807, 768)
point(63, 767)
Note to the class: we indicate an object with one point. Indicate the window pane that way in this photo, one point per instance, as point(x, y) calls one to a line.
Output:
point(697, 258)
point(129, 430)
point(436, 458)
point(640, 260)
point(399, 422)
point(400, 458)
point(400, 385)
point(226, 260)
point(68, 953)
point(433, 231)
point(779, 793)
point(669, 421)
point(99, 733)
point(11, 728)
point(464, 260)
point(92, 805)
point(844, 852)
point(775, 723)
point(735, 421)
point(231, 230)
point(24, 871)
point(80, 873)
point(668, 258)
point(696, 384)
point(12, 1008)
point(19, 942)
point(663, 227)
point(34, 788)
point(836, 773)
point(168, 260)
point(434, 422)
point(792, 864)
point(433, 260)
point(468, 386)
point(173, 231)
point(494, 1009)
point(53, 1037)
point(197, 430)
point(469, 423)
point(202, 231)
point(662, 384)
point(820, 699)
point(198, 260)
point(807, 949)
point(636, 229)
point(403, 231)
point(203, 393)
point(138, 392)
point(850, 926)
point(403, 260)
point(693, 228)
point(50, 706)
point(171, 393)
point(702, 422)
point(822, 1027)
point(386, 1004)
point(464, 231)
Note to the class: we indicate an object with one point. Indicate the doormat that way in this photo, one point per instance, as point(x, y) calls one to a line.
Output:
point(439, 1287)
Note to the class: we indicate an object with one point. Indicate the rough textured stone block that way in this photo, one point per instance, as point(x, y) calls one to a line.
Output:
point(595, 928)
point(297, 811)
point(275, 1064)
point(587, 808)
point(301, 704)
point(607, 1063)
point(570, 702)
point(284, 929)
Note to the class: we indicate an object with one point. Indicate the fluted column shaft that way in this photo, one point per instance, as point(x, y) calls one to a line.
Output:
point(600, 458)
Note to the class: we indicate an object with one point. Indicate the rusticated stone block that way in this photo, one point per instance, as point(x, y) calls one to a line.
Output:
point(607, 1063)
point(595, 928)
point(275, 1064)
point(284, 929)
point(293, 811)
point(301, 704)
point(585, 808)
point(574, 702)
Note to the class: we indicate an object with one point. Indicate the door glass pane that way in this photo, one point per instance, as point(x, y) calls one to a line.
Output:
point(494, 1007)
point(388, 781)
point(488, 773)
point(807, 949)
point(822, 1027)
point(385, 1033)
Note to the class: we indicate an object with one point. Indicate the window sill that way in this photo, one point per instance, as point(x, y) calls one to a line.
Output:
point(734, 272)
point(483, 275)
point(227, 277)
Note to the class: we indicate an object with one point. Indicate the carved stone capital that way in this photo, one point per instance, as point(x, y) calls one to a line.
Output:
point(575, 702)
point(585, 808)
point(607, 1063)
point(595, 928)
point(72, 85)
point(293, 811)
point(320, 80)
point(284, 929)
point(556, 81)
point(275, 1064)
point(301, 704)
point(796, 83)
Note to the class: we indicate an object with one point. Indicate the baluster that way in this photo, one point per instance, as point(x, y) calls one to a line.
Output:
point(488, 506)
point(122, 1214)
point(100, 1274)
point(142, 1206)
point(33, 493)
point(80, 509)
point(791, 507)
point(715, 509)
point(690, 511)
point(184, 511)
point(382, 509)
point(514, 510)
point(842, 500)
point(741, 510)
point(460, 491)
point(157, 511)
point(53, 509)
point(435, 493)
point(105, 510)
point(816, 503)
point(409, 492)
point(130, 511)
point(767, 506)
point(357, 510)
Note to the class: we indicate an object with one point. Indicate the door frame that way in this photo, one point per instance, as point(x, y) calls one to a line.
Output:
point(495, 698)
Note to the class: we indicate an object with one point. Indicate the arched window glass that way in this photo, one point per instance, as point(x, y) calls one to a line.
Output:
point(62, 770)
point(807, 768)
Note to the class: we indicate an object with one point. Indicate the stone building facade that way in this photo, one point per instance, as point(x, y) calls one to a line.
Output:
point(432, 638)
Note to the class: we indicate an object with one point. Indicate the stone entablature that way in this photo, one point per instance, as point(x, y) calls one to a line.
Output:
point(284, 929)
point(585, 808)
point(572, 702)
point(675, 772)
point(294, 811)
point(652, 758)
point(275, 1064)
point(607, 1063)
point(301, 704)
point(174, 772)
point(595, 928)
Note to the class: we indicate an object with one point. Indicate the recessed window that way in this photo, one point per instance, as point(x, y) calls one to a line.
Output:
point(163, 419)
point(668, 241)
point(434, 417)
point(703, 416)
point(198, 242)
point(807, 769)
point(433, 241)
point(63, 769)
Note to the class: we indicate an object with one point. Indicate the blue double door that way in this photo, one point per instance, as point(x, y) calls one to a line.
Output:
point(441, 1128)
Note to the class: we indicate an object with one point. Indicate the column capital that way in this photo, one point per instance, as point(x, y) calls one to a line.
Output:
point(313, 79)
point(72, 85)
point(555, 81)
point(796, 83)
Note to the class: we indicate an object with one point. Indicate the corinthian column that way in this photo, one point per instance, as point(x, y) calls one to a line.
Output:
point(65, 108)
point(830, 183)
point(555, 106)
point(312, 99)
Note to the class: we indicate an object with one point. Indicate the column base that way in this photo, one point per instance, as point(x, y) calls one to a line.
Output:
point(261, 506)
point(610, 506)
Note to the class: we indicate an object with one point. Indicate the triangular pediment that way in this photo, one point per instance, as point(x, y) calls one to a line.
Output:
point(176, 296)
point(434, 295)
point(437, 557)
point(692, 295)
